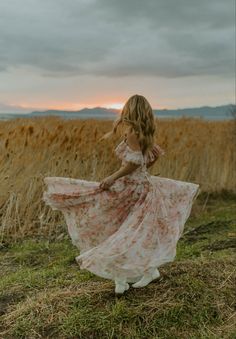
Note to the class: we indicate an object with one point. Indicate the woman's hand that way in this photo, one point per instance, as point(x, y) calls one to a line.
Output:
point(107, 182)
point(156, 152)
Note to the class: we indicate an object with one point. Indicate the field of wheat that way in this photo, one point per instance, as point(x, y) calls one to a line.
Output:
point(197, 150)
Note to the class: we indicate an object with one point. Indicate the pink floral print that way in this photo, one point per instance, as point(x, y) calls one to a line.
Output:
point(131, 227)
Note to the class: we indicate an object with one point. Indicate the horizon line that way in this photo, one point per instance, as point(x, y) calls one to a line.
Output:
point(113, 109)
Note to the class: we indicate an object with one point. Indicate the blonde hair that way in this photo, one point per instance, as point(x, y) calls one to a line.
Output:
point(138, 113)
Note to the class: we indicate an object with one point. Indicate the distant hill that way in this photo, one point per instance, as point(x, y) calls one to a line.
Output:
point(218, 112)
point(197, 111)
point(87, 111)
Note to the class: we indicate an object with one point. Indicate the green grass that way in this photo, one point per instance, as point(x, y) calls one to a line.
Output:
point(43, 294)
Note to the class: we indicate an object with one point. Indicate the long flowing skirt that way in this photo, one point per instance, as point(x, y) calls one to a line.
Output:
point(125, 230)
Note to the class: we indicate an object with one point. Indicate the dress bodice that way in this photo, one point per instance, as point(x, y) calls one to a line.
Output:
point(126, 154)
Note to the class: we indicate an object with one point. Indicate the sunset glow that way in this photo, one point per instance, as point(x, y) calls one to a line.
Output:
point(62, 106)
point(117, 105)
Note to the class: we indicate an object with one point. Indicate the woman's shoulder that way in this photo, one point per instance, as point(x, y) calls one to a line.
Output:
point(128, 151)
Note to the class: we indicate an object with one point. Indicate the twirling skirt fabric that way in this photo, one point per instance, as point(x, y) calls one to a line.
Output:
point(124, 230)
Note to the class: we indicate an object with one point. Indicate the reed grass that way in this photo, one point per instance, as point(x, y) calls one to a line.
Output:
point(197, 150)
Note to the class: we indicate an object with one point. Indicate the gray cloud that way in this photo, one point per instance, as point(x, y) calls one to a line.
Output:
point(113, 38)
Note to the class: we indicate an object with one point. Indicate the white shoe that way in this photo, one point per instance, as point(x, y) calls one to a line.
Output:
point(147, 278)
point(121, 286)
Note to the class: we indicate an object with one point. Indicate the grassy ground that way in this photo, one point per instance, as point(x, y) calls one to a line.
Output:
point(43, 294)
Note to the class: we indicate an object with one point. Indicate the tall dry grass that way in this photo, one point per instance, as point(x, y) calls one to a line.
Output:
point(32, 148)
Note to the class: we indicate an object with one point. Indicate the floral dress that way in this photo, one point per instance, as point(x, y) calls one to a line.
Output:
point(129, 228)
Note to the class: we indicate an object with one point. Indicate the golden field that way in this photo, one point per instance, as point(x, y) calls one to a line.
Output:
point(197, 150)
point(44, 293)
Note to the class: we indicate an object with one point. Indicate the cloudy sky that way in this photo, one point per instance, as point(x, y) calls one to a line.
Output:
point(72, 54)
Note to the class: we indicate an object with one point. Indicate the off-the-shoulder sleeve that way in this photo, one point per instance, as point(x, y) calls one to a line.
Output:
point(124, 152)
point(154, 153)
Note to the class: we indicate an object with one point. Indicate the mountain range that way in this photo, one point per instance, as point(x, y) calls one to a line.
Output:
point(218, 112)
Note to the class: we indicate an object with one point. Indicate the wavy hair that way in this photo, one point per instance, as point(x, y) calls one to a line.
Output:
point(137, 112)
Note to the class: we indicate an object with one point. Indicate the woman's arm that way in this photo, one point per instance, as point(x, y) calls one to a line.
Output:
point(124, 170)
point(151, 163)
point(133, 144)
point(156, 152)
